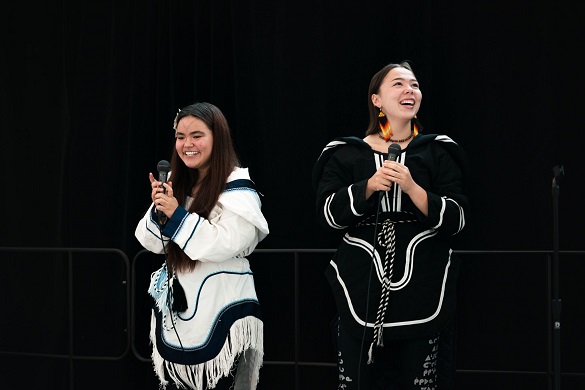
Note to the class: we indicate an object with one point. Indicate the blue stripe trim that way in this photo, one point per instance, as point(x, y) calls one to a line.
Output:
point(201, 287)
point(192, 232)
point(240, 184)
point(181, 225)
point(215, 342)
point(173, 223)
point(154, 219)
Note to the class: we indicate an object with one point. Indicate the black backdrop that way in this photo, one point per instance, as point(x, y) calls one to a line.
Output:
point(88, 91)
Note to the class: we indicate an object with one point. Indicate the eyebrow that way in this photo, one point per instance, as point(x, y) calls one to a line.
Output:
point(191, 133)
point(403, 79)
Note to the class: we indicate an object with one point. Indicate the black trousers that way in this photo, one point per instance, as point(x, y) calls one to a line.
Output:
point(399, 365)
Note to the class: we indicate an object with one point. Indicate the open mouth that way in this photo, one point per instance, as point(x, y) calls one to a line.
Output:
point(407, 102)
point(191, 153)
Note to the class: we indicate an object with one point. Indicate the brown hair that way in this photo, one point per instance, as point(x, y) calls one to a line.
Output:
point(222, 161)
point(375, 83)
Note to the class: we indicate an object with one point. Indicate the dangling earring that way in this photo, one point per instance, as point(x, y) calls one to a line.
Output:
point(414, 127)
point(386, 129)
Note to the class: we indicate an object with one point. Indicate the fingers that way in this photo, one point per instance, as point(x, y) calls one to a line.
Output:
point(384, 186)
point(161, 204)
point(155, 186)
point(162, 195)
point(380, 181)
point(168, 186)
point(166, 203)
point(396, 171)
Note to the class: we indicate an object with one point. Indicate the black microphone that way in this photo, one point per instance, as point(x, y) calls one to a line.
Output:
point(163, 167)
point(393, 151)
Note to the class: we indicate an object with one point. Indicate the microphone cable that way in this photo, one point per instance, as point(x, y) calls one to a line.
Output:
point(394, 151)
point(168, 300)
point(164, 167)
point(369, 286)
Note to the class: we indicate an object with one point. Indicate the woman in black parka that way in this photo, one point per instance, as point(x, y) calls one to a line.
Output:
point(394, 274)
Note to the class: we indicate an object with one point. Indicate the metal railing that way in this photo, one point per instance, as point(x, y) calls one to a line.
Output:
point(297, 362)
point(131, 271)
point(71, 356)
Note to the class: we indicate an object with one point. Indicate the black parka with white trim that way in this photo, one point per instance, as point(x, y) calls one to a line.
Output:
point(412, 248)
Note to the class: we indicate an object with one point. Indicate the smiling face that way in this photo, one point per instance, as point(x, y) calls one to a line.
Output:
point(194, 143)
point(399, 95)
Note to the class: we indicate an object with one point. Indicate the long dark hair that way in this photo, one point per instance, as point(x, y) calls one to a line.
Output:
point(375, 83)
point(222, 161)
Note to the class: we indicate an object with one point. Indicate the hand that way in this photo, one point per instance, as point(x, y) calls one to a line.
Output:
point(400, 174)
point(380, 181)
point(163, 196)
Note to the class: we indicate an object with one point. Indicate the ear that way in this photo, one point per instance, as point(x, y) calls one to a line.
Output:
point(376, 100)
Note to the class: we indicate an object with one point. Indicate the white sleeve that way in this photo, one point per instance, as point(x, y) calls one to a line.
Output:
point(148, 232)
point(233, 229)
point(223, 236)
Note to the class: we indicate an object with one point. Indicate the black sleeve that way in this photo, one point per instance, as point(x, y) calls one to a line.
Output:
point(341, 197)
point(446, 199)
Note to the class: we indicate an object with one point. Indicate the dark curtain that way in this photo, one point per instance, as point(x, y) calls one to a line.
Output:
point(89, 90)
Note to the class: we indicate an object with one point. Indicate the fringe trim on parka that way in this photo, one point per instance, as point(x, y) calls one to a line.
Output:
point(245, 341)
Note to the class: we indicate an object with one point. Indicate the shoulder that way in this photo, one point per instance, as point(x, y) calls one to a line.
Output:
point(437, 141)
point(443, 145)
point(422, 139)
point(342, 142)
point(342, 150)
point(241, 197)
point(240, 179)
point(239, 173)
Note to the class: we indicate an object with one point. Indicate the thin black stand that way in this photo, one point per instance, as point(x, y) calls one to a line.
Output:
point(556, 301)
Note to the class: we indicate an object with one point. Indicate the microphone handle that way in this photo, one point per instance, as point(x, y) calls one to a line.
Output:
point(162, 177)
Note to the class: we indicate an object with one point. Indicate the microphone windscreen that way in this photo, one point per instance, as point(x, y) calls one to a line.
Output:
point(393, 151)
point(163, 166)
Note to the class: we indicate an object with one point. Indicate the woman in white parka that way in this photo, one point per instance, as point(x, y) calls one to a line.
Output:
point(207, 330)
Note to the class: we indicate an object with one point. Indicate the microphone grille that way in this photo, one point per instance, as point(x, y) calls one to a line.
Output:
point(393, 151)
point(164, 166)
point(394, 148)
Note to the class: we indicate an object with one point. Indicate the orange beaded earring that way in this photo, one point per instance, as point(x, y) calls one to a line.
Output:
point(386, 129)
point(414, 126)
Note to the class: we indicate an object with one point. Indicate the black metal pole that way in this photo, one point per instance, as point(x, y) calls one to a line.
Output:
point(556, 301)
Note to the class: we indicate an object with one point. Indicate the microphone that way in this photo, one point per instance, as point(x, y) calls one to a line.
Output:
point(393, 151)
point(163, 167)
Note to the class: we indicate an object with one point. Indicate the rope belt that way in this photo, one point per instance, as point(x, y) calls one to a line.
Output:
point(386, 239)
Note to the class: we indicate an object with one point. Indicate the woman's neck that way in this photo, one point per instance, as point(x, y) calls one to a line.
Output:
point(202, 172)
point(400, 129)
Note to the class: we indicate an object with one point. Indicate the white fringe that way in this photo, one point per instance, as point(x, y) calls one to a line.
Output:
point(245, 340)
point(371, 353)
point(157, 360)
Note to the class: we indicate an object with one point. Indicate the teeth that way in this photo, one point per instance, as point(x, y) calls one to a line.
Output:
point(409, 102)
point(191, 153)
